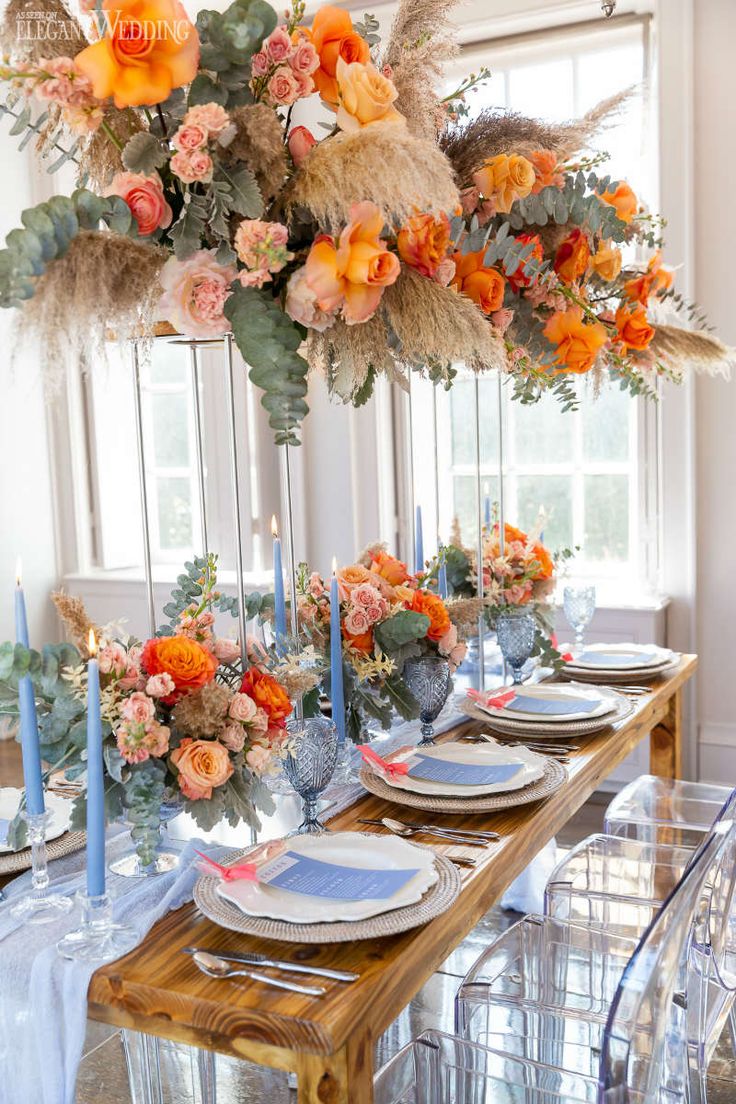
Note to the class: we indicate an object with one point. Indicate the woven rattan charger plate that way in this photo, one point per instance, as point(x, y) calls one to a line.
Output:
point(436, 900)
point(55, 849)
point(553, 777)
point(620, 678)
point(548, 731)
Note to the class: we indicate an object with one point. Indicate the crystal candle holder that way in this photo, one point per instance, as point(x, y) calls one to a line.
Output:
point(39, 906)
point(98, 938)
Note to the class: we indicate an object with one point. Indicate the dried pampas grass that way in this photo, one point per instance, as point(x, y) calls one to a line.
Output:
point(465, 612)
point(346, 353)
point(493, 132)
point(21, 40)
point(102, 280)
point(436, 323)
point(76, 620)
point(682, 349)
point(382, 163)
point(422, 39)
point(100, 158)
point(259, 141)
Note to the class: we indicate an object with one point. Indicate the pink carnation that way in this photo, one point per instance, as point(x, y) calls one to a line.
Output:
point(254, 279)
point(112, 659)
point(278, 45)
point(138, 708)
point(195, 292)
point(160, 686)
point(233, 737)
point(192, 166)
point(211, 117)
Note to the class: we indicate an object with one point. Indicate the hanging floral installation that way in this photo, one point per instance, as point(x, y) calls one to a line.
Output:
point(411, 236)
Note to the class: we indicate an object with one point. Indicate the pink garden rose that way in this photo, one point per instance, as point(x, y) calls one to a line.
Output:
point(138, 708)
point(160, 686)
point(195, 291)
point(189, 137)
point(233, 737)
point(301, 142)
point(226, 650)
point(356, 622)
point(192, 166)
point(258, 758)
point(260, 64)
point(284, 87)
point(278, 45)
point(301, 304)
point(112, 659)
point(242, 708)
point(145, 197)
point(211, 117)
point(260, 721)
point(305, 58)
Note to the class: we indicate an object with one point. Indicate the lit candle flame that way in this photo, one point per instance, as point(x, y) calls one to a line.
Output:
point(274, 527)
point(334, 565)
point(18, 571)
point(92, 644)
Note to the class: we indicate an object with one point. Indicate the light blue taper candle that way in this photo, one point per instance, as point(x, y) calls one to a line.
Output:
point(95, 781)
point(487, 506)
point(278, 584)
point(442, 573)
point(336, 686)
point(418, 542)
point(29, 740)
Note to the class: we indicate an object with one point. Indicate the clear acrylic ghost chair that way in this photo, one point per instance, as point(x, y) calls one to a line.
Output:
point(162, 1071)
point(441, 1069)
point(667, 810)
point(550, 992)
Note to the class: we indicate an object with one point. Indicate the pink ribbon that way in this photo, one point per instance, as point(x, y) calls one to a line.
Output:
point(244, 871)
point(567, 656)
point(495, 701)
point(393, 770)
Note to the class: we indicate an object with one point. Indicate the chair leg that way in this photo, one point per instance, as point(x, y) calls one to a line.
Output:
point(207, 1069)
point(143, 1061)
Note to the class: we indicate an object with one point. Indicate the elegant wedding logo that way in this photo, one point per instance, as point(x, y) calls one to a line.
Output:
point(129, 34)
point(46, 26)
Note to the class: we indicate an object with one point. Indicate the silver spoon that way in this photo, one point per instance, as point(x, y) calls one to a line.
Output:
point(400, 829)
point(215, 967)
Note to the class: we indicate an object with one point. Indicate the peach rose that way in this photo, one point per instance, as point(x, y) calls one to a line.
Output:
point(195, 291)
point(435, 609)
point(366, 97)
point(334, 38)
point(192, 166)
point(572, 256)
point(145, 197)
point(504, 179)
point(352, 576)
point(423, 242)
point(188, 663)
point(578, 343)
point(606, 261)
point(267, 693)
point(391, 569)
point(352, 274)
point(301, 141)
point(545, 166)
point(149, 48)
point(301, 303)
point(242, 708)
point(485, 286)
point(202, 765)
point(633, 327)
point(188, 138)
point(624, 200)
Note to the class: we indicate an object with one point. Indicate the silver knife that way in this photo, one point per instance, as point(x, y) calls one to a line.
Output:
point(277, 964)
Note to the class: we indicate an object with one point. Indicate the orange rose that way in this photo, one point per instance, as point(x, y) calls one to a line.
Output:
point(485, 286)
point(333, 38)
point(656, 279)
point(578, 342)
point(505, 179)
point(518, 279)
point(423, 242)
point(149, 48)
point(189, 663)
point(546, 566)
point(606, 261)
point(572, 256)
point(633, 327)
point(362, 643)
point(624, 200)
point(389, 568)
point(365, 96)
point(435, 609)
point(545, 166)
point(352, 576)
point(352, 273)
point(202, 765)
point(405, 594)
point(267, 693)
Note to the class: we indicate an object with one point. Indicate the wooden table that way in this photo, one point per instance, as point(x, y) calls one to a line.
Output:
point(329, 1041)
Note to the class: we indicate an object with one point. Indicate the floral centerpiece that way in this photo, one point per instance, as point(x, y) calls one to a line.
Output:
point(387, 616)
point(408, 238)
point(185, 718)
point(522, 575)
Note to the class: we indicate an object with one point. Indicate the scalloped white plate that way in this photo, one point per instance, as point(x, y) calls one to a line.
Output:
point(531, 768)
point(59, 807)
point(553, 692)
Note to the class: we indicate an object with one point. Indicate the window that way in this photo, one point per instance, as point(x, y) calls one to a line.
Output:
point(592, 473)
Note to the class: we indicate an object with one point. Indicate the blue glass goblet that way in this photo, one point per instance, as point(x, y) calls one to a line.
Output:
point(310, 764)
point(515, 632)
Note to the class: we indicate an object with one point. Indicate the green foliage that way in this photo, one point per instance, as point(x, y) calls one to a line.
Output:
point(228, 41)
point(457, 569)
point(143, 153)
point(401, 698)
point(187, 232)
point(144, 793)
point(578, 202)
point(405, 627)
point(48, 231)
point(268, 341)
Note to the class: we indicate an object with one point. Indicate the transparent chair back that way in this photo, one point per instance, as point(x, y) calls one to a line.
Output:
point(665, 810)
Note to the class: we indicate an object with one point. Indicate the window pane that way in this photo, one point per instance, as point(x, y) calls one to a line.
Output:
point(169, 363)
point(553, 494)
point(174, 512)
point(607, 517)
point(462, 406)
point(543, 91)
point(464, 504)
point(170, 430)
point(543, 433)
point(606, 424)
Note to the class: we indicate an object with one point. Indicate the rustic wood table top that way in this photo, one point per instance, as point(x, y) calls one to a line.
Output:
point(329, 1041)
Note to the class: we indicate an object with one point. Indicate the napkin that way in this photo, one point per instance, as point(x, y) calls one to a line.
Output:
point(43, 1009)
point(494, 701)
point(619, 659)
point(373, 759)
point(243, 871)
point(552, 707)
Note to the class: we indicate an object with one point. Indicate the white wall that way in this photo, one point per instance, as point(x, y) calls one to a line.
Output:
point(715, 251)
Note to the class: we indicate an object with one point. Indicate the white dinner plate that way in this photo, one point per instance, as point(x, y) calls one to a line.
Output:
point(357, 849)
point(552, 692)
point(531, 768)
point(59, 807)
point(622, 657)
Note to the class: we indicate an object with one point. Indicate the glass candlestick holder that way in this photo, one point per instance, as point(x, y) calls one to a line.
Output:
point(39, 906)
point(98, 938)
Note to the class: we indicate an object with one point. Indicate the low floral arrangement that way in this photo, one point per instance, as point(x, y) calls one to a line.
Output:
point(388, 616)
point(524, 574)
point(185, 719)
point(409, 238)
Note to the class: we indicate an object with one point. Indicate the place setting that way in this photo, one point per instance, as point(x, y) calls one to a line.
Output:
point(60, 839)
point(547, 710)
point(622, 665)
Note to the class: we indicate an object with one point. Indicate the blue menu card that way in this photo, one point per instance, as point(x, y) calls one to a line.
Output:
point(550, 707)
point(464, 774)
point(314, 878)
point(619, 659)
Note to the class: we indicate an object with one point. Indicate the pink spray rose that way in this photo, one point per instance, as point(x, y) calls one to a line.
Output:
point(278, 45)
point(192, 166)
point(356, 622)
point(283, 87)
point(301, 303)
point(242, 708)
point(189, 137)
point(211, 117)
point(145, 197)
point(260, 64)
point(226, 650)
point(195, 291)
point(258, 758)
point(305, 58)
point(160, 686)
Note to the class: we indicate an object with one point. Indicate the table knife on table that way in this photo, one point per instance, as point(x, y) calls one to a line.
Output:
point(276, 963)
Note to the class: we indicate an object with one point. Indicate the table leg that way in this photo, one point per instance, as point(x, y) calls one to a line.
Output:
point(342, 1078)
point(665, 742)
